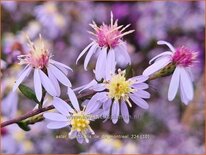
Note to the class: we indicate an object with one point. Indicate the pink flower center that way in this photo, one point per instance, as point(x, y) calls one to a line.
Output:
point(108, 36)
point(38, 57)
point(39, 61)
point(184, 57)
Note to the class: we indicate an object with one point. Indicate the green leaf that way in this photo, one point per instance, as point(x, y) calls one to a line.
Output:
point(28, 92)
point(24, 126)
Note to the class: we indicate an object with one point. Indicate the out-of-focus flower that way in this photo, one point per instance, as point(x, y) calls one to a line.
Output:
point(32, 29)
point(113, 145)
point(9, 5)
point(183, 58)
point(79, 120)
point(39, 59)
point(12, 46)
point(17, 139)
point(9, 104)
point(107, 146)
point(116, 92)
point(109, 44)
point(9, 99)
point(3, 64)
point(49, 16)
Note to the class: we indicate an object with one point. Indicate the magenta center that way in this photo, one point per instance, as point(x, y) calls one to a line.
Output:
point(108, 36)
point(184, 57)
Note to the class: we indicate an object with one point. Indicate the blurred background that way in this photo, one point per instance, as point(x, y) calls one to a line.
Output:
point(167, 127)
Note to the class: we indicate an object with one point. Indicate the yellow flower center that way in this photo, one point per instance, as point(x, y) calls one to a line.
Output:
point(119, 87)
point(79, 122)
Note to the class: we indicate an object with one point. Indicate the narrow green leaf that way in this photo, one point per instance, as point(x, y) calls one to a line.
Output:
point(28, 92)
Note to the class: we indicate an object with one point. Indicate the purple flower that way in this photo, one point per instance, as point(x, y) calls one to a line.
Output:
point(183, 58)
point(50, 18)
point(116, 93)
point(108, 42)
point(39, 59)
point(79, 120)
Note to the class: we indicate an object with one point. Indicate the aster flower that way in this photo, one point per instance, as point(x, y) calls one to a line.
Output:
point(183, 58)
point(115, 94)
point(48, 14)
point(108, 42)
point(77, 119)
point(47, 72)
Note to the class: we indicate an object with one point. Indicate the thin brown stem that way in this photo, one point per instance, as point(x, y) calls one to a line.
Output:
point(38, 111)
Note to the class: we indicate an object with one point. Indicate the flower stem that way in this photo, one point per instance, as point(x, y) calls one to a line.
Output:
point(38, 111)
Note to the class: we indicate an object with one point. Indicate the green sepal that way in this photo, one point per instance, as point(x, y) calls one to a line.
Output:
point(166, 71)
point(24, 126)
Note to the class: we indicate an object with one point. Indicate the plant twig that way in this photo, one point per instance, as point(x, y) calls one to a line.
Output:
point(168, 70)
point(38, 111)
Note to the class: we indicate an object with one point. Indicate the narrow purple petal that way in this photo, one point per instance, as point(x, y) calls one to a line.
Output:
point(62, 106)
point(54, 81)
point(95, 102)
point(124, 112)
point(72, 134)
point(61, 77)
point(140, 86)
point(58, 64)
point(122, 50)
point(161, 42)
point(84, 51)
point(99, 87)
point(106, 107)
point(37, 85)
point(186, 84)
point(110, 65)
point(100, 64)
point(21, 78)
point(139, 79)
point(115, 112)
point(142, 94)
point(139, 101)
point(174, 84)
point(47, 84)
point(89, 85)
point(57, 125)
point(55, 116)
point(73, 99)
point(167, 53)
point(183, 96)
point(92, 50)
point(80, 138)
point(157, 65)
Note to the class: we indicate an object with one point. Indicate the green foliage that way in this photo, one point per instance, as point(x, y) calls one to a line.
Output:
point(28, 92)
point(24, 126)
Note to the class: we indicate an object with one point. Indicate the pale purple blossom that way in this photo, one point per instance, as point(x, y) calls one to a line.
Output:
point(109, 45)
point(79, 120)
point(47, 72)
point(184, 59)
point(115, 94)
point(47, 14)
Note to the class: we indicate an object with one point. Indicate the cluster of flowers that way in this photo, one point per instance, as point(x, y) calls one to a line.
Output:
point(114, 92)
